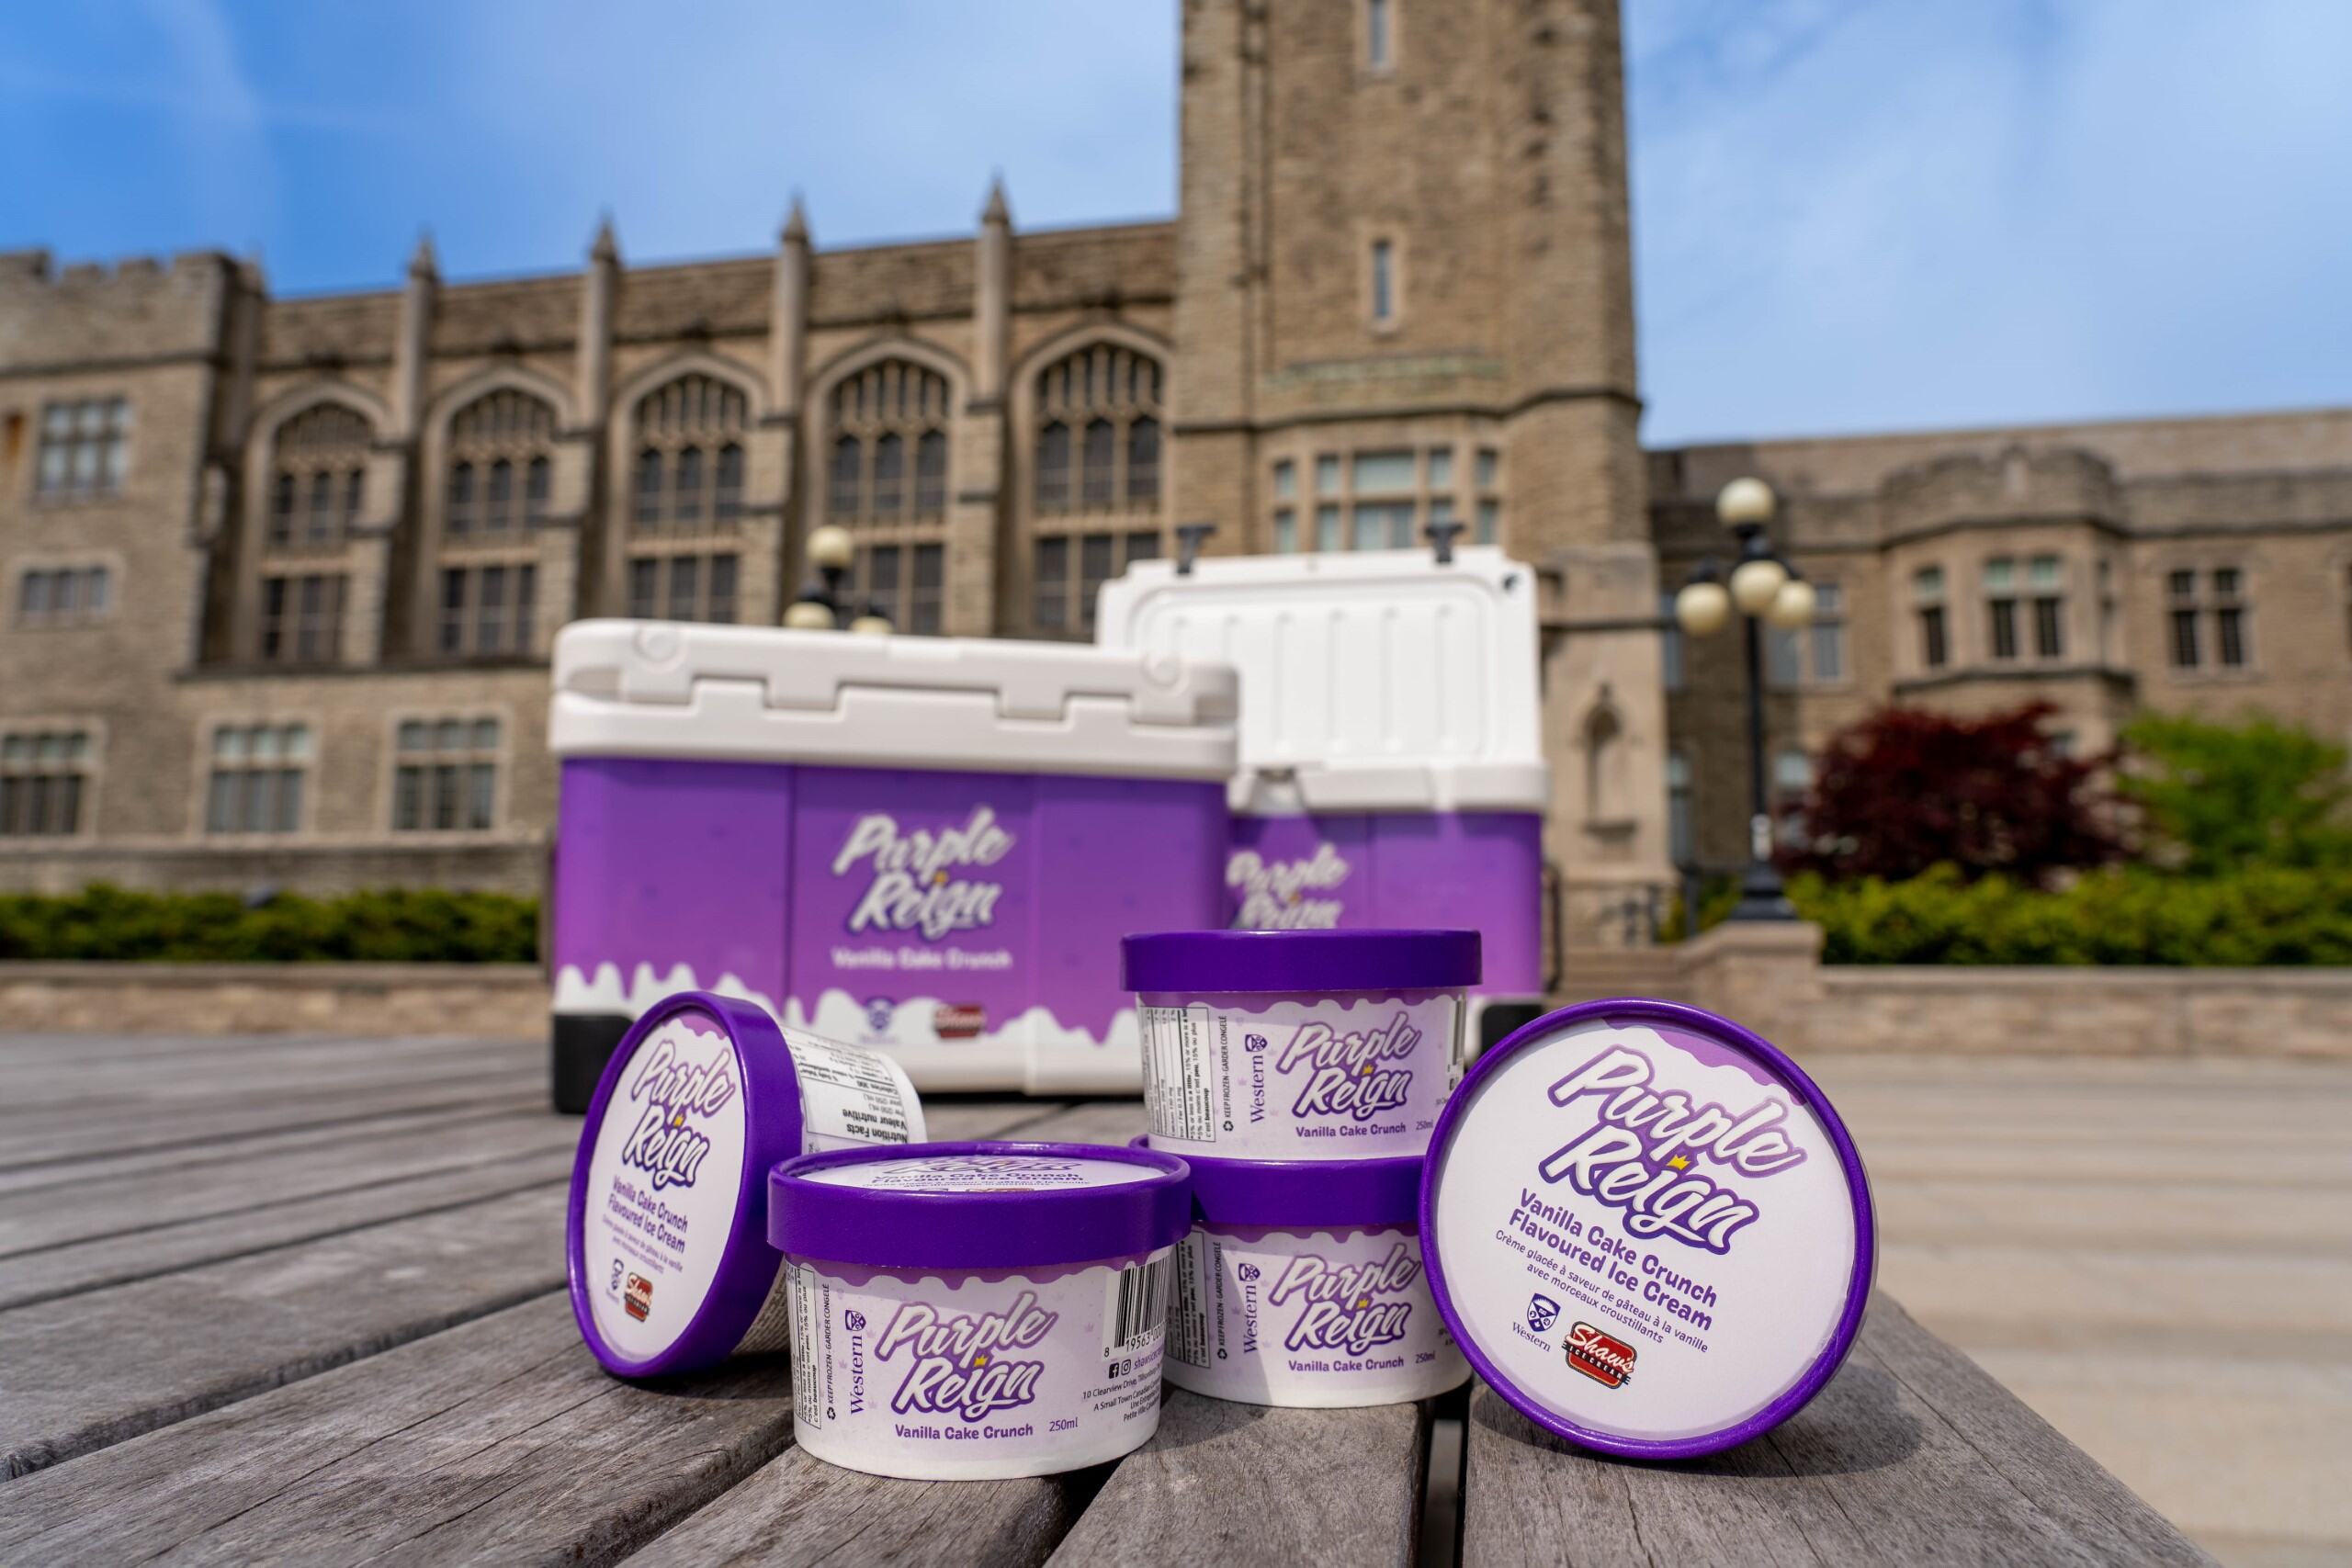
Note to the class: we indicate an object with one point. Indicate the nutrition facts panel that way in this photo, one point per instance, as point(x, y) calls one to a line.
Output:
point(1177, 1091)
point(851, 1097)
point(1188, 1317)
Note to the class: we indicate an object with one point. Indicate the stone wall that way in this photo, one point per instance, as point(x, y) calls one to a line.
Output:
point(1766, 977)
point(485, 1000)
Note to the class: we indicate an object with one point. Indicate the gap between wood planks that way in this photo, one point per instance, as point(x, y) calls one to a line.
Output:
point(102, 1363)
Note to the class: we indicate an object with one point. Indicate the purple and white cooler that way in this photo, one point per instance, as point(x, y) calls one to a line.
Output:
point(665, 1232)
point(1647, 1228)
point(978, 1311)
point(1391, 769)
point(927, 846)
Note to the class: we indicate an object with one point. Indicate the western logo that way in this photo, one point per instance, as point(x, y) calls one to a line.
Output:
point(1543, 1312)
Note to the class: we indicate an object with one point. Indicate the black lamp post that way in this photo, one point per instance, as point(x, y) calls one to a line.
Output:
point(821, 607)
point(1761, 587)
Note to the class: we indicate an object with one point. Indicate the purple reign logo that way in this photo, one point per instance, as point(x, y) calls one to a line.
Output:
point(677, 1091)
point(1349, 1076)
point(1342, 1307)
point(955, 1365)
point(911, 890)
point(1636, 1155)
point(1273, 893)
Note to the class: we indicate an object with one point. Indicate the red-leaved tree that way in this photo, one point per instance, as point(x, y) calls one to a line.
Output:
point(1903, 790)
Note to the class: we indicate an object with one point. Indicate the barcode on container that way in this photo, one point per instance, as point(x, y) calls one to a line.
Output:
point(1137, 1308)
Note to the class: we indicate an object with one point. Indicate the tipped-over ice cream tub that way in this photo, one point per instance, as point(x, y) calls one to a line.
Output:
point(1647, 1227)
point(1302, 1284)
point(1292, 1045)
point(979, 1310)
point(666, 1231)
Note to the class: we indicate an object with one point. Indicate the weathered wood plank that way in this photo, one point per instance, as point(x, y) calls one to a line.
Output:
point(1239, 1485)
point(1911, 1454)
point(91, 1370)
point(103, 1207)
point(63, 1271)
point(797, 1509)
point(173, 1162)
point(800, 1510)
point(1287, 1485)
point(69, 1139)
point(500, 1440)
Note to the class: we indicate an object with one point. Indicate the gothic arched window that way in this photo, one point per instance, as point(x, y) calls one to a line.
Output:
point(1109, 395)
point(686, 430)
point(501, 477)
point(686, 484)
point(321, 461)
point(1096, 480)
point(886, 483)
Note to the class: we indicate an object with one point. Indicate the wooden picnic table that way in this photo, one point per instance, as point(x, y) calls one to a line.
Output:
point(303, 1300)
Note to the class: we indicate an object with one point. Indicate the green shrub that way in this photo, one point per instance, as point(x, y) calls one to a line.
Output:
point(388, 925)
point(2134, 915)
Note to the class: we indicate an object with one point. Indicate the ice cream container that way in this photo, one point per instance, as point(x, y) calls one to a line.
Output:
point(666, 1233)
point(1292, 1045)
point(1647, 1227)
point(925, 845)
point(1391, 766)
point(978, 1310)
point(1302, 1284)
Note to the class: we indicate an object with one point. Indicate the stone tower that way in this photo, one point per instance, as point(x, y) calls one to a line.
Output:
point(1404, 294)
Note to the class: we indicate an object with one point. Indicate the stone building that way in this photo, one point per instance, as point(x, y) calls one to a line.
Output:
point(280, 574)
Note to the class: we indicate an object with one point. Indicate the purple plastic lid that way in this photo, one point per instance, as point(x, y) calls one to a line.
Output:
point(1291, 1194)
point(746, 1263)
point(1300, 961)
point(979, 1205)
point(1718, 1320)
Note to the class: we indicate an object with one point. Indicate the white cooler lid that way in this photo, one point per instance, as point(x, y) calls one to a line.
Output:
point(678, 689)
point(1372, 680)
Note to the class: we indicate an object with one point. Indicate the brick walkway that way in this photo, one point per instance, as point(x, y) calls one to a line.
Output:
point(2156, 1254)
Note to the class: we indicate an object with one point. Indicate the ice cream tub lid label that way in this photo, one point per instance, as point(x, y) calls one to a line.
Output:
point(1647, 1227)
point(670, 1265)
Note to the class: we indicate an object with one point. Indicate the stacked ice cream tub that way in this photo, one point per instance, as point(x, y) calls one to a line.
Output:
point(1300, 1074)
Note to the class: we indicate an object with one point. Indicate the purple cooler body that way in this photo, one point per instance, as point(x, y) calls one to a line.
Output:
point(1479, 870)
point(926, 847)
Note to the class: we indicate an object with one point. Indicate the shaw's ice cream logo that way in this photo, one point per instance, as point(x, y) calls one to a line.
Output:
point(1342, 1308)
point(1350, 1075)
point(911, 889)
point(956, 1365)
point(1603, 1358)
point(1275, 893)
point(1636, 1155)
point(678, 1092)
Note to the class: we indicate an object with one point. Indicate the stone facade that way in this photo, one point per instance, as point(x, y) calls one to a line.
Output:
point(2198, 565)
point(280, 575)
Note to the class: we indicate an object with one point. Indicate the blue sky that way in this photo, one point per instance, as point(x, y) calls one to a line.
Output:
point(1848, 214)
